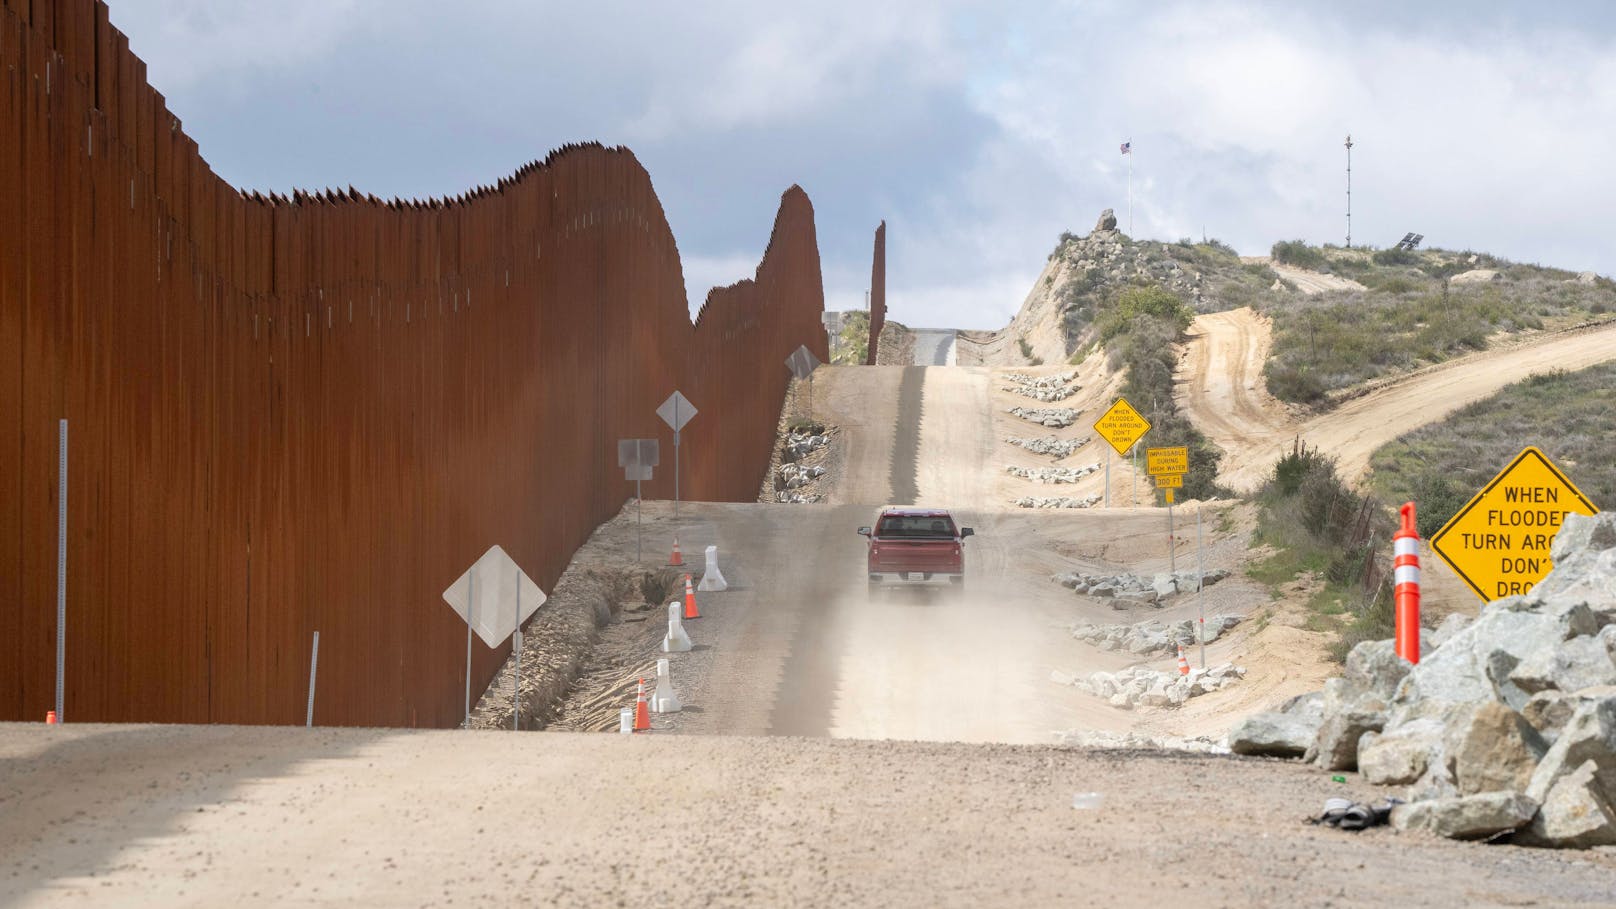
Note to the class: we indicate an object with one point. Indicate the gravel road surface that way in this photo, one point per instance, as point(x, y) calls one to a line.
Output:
point(139, 816)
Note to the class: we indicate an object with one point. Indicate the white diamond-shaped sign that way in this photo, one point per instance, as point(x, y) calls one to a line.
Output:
point(497, 583)
point(802, 362)
point(676, 411)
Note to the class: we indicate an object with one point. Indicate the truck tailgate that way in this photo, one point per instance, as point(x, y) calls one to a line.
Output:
point(938, 556)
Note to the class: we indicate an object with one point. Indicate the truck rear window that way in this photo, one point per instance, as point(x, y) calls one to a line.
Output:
point(915, 527)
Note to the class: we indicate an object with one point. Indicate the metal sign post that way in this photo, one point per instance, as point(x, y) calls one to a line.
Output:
point(637, 457)
point(61, 574)
point(494, 597)
point(676, 411)
point(1200, 583)
point(516, 647)
point(1121, 427)
point(802, 364)
point(314, 673)
point(471, 599)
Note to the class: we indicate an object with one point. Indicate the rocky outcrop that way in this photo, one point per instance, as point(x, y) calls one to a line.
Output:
point(1507, 726)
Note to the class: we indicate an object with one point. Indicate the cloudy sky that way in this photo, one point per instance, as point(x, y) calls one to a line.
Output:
point(978, 134)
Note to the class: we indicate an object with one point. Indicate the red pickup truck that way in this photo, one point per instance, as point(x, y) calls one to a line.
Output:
point(916, 546)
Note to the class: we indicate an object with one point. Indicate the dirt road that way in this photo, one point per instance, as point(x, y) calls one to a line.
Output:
point(139, 816)
point(1221, 388)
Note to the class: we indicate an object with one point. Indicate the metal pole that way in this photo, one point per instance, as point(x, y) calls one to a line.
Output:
point(1172, 561)
point(1200, 582)
point(1130, 188)
point(1108, 478)
point(1133, 482)
point(471, 603)
point(676, 462)
point(61, 574)
point(639, 498)
point(1349, 190)
point(516, 644)
point(314, 670)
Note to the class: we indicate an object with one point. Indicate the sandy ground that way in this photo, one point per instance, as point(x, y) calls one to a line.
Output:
point(167, 816)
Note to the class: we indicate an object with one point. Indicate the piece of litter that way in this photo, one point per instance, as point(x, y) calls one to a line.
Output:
point(1087, 801)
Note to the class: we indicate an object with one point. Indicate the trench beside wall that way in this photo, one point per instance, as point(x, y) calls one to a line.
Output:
point(313, 413)
point(878, 293)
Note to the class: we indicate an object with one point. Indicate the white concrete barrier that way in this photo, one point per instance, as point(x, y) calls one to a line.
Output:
point(675, 641)
point(711, 577)
point(664, 700)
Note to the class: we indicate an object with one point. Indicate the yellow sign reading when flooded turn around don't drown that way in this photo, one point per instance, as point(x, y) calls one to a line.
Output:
point(1499, 542)
point(1121, 426)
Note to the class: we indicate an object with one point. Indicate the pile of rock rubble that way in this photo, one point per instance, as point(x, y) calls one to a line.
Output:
point(799, 444)
point(1151, 637)
point(793, 480)
point(1137, 686)
point(1505, 729)
point(1056, 502)
point(1131, 589)
point(1052, 474)
point(1049, 445)
point(796, 476)
point(1044, 388)
point(1054, 417)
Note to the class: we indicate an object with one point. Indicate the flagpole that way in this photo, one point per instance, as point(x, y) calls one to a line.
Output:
point(1130, 187)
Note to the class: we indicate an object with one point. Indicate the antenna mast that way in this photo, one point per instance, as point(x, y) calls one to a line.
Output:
point(1349, 190)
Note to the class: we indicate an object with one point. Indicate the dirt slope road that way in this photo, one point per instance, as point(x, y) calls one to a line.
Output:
point(1221, 388)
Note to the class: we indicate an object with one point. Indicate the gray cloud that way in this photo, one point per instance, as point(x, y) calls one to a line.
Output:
point(977, 133)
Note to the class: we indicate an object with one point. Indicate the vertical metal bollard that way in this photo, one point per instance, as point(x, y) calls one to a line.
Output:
point(314, 671)
point(61, 574)
point(1200, 583)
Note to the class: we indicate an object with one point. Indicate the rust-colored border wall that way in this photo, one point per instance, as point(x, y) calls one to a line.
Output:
point(878, 293)
point(312, 413)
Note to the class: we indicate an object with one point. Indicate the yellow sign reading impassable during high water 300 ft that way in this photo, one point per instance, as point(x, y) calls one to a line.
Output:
point(1121, 426)
point(1499, 542)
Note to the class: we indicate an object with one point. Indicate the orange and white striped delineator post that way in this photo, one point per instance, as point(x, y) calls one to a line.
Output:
point(1406, 565)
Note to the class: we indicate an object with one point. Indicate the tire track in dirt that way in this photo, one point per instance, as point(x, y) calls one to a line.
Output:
point(906, 437)
point(1219, 385)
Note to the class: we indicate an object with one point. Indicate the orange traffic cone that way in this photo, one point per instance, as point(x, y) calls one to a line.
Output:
point(692, 611)
point(676, 558)
point(1183, 664)
point(642, 711)
point(50, 718)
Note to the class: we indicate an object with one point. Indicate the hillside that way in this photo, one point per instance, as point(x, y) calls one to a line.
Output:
point(1341, 317)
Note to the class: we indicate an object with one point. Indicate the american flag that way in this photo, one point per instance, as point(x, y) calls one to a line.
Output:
point(1127, 148)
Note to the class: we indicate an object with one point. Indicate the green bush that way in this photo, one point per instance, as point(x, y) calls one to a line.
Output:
point(1387, 258)
point(1297, 253)
point(1138, 303)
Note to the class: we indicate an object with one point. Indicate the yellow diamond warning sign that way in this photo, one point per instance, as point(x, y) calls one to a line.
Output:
point(1122, 426)
point(1499, 542)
